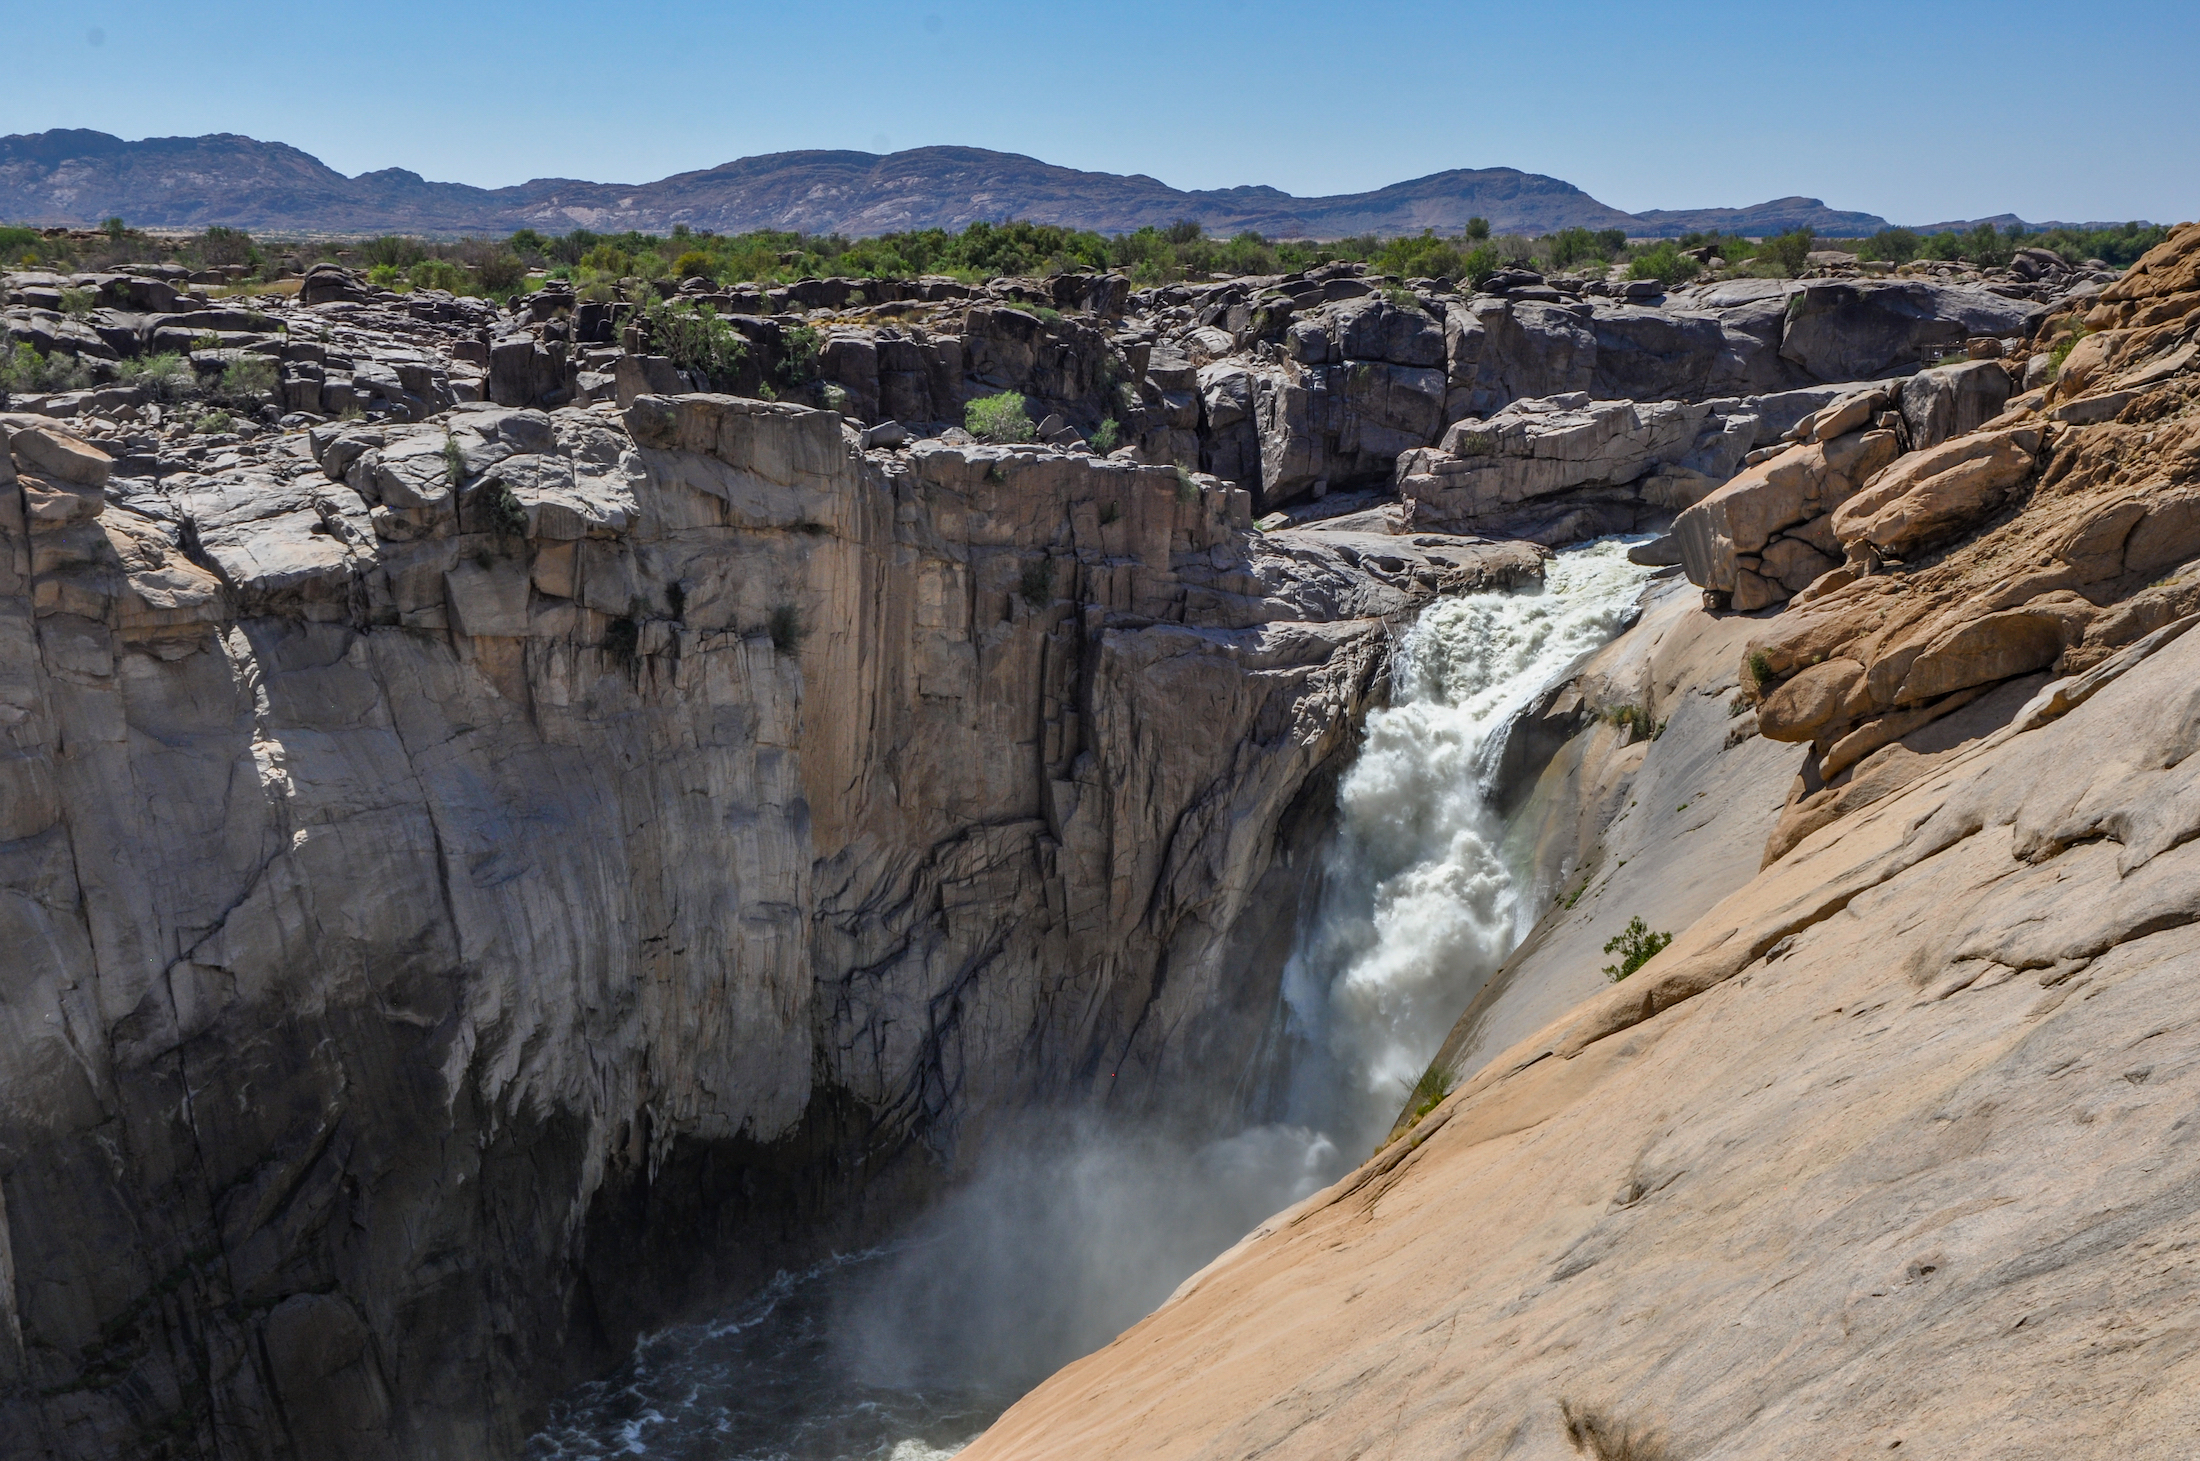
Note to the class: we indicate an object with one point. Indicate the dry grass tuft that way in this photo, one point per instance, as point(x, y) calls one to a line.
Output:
point(1603, 1437)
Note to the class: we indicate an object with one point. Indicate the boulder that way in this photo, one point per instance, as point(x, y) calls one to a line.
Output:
point(1857, 330)
point(1931, 495)
point(1781, 497)
point(1952, 400)
point(1538, 448)
point(56, 453)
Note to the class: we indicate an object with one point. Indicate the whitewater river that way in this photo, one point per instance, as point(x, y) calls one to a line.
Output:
point(906, 1352)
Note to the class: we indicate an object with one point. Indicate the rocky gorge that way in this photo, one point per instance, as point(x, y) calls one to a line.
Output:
point(505, 843)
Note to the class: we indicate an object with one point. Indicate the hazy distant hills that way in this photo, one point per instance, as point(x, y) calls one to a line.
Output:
point(78, 177)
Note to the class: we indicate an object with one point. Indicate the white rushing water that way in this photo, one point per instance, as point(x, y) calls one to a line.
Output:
point(1075, 1229)
point(1419, 907)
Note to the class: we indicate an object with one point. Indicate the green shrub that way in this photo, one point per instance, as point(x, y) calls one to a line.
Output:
point(1425, 1093)
point(386, 276)
point(454, 463)
point(1107, 437)
point(834, 397)
point(694, 264)
point(695, 339)
point(1760, 670)
point(787, 630)
point(1187, 491)
point(1664, 262)
point(220, 246)
point(247, 379)
point(1401, 297)
point(1788, 252)
point(1635, 944)
point(798, 350)
point(76, 303)
point(1000, 418)
point(168, 376)
point(507, 514)
point(25, 369)
point(213, 423)
point(1478, 228)
point(1570, 247)
point(1893, 245)
point(439, 274)
point(501, 274)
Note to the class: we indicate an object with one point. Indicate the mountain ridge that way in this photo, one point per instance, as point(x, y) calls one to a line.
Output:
point(76, 177)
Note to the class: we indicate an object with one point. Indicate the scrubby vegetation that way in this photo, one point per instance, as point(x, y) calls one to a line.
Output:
point(1000, 418)
point(1989, 247)
point(1600, 1436)
point(1426, 1092)
point(1636, 945)
point(695, 339)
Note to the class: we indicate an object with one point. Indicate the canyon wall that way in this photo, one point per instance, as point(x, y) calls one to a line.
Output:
point(477, 887)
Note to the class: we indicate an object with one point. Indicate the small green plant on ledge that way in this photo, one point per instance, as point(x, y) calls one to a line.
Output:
point(1107, 437)
point(1636, 945)
point(1426, 1093)
point(1187, 491)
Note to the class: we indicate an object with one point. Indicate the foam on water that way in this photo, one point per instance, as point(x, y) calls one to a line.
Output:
point(1419, 907)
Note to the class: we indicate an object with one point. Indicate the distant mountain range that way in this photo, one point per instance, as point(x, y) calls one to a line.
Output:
point(78, 177)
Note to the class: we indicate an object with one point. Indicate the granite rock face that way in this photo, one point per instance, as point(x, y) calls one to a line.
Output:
point(476, 881)
point(1875, 1153)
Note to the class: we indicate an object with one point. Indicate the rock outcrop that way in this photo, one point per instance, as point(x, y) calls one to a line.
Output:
point(1875, 1152)
point(478, 881)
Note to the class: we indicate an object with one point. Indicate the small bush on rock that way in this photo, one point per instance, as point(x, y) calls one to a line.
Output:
point(1000, 418)
point(694, 264)
point(1602, 1437)
point(1107, 437)
point(1636, 945)
point(247, 380)
point(1789, 252)
point(1665, 263)
point(25, 369)
point(1427, 1092)
point(1038, 583)
point(167, 377)
point(798, 351)
point(507, 514)
point(76, 303)
point(695, 339)
point(439, 274)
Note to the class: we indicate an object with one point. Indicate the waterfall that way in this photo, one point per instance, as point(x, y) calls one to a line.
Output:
point(1074, 1231)
point(1419, 907)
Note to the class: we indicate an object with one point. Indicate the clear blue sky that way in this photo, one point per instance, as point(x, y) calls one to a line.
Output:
point(1917, 111)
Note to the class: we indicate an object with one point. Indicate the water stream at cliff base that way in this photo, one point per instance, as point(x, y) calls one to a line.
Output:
point(1061, 1240)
